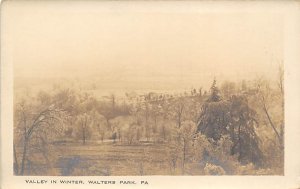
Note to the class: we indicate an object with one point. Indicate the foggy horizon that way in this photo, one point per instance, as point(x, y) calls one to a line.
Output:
point(122, 45)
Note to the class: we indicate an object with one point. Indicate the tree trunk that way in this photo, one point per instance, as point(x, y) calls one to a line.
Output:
point(108, 124)
point(24, 154)
point(83, 137)
point(179, 114)
point(272, 125)
point(184, 154)
point(16, 163)
point(240, 146)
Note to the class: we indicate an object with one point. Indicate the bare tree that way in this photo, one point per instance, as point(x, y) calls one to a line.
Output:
point(281, 87)
point(176, 109)
point(146, 110)
point(281, 79)
point(187, 133)
point(228, 89)
point(109, 110)
point(99, 123)
point(101, 131)
point(84, 123)
point(264, 95)
point(31, 124)
point(113, 102)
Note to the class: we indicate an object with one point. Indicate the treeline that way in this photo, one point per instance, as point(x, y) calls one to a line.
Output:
point(234, 128)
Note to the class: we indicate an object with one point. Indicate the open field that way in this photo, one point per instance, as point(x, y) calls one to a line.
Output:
point(109, 158)
point(116, 159)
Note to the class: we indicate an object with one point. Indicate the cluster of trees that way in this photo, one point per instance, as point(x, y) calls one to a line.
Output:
point(218, 132)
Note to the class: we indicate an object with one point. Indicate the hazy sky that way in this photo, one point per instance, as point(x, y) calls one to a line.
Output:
point(123, 42)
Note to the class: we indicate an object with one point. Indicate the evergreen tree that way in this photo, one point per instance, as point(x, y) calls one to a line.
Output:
point(214, 93)
point(233, 118)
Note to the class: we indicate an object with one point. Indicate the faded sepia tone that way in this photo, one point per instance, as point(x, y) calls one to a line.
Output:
point(117, 91)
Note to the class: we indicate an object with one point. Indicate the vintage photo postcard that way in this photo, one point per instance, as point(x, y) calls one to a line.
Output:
point(150, 94)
